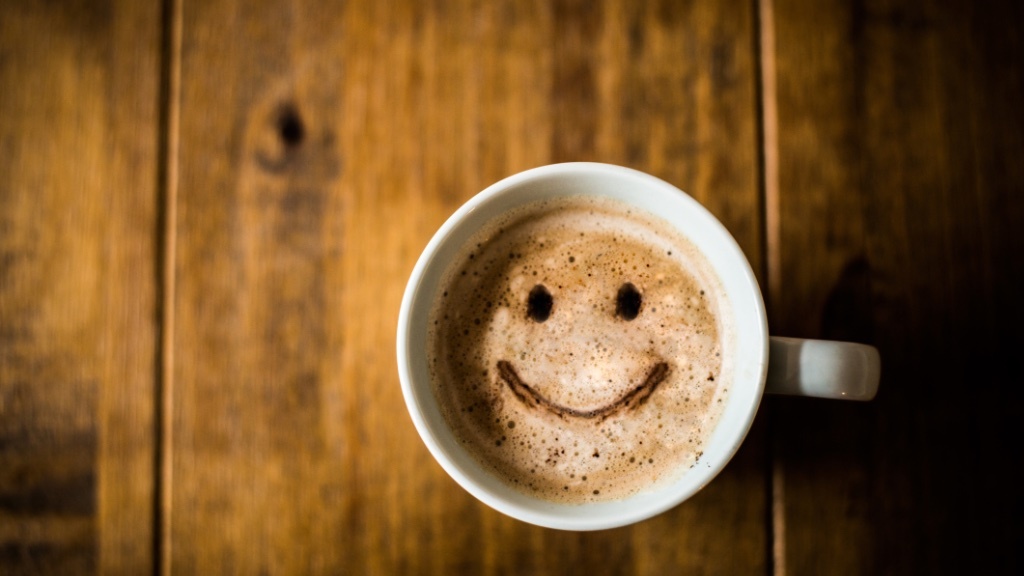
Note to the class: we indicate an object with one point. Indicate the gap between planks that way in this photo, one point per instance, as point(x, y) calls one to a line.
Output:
point(769, 144)
point(167, 186)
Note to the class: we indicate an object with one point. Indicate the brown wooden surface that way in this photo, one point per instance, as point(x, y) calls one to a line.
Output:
point(901, 180)
point(78, 286)
point(291, 448)
point(291, 174)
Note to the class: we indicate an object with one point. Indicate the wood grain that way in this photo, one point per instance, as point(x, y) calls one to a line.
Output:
point(78, 285)
point(321, 145)
point(900, 146)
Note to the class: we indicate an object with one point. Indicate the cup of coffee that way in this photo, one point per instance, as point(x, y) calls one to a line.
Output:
point(583, 346)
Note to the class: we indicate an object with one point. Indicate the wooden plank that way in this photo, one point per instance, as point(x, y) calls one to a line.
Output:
point(900, 147)
point(322, 145)
point(78, 316)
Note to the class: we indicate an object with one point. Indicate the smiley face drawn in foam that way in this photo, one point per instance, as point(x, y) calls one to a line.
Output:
point(577, 353)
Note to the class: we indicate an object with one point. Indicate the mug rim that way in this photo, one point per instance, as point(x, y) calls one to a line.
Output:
point(541, 512)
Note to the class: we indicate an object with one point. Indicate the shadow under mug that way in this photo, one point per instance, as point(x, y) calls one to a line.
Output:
point(761, 364)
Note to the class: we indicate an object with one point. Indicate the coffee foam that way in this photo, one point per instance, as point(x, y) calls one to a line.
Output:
point(586, 405)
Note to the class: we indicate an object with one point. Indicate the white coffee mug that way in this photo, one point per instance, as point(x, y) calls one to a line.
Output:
point(761, 363)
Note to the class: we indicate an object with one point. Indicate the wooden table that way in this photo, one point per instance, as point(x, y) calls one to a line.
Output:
point(208, 211)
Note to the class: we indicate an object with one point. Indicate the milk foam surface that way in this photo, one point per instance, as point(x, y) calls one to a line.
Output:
point(583, 358)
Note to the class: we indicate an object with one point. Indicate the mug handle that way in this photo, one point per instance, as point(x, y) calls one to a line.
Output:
point(822, 369)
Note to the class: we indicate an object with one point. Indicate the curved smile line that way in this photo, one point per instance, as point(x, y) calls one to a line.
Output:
point(634, 397)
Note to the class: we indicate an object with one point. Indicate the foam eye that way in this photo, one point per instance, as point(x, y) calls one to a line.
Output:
point(628, 301)
point(538, 305)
